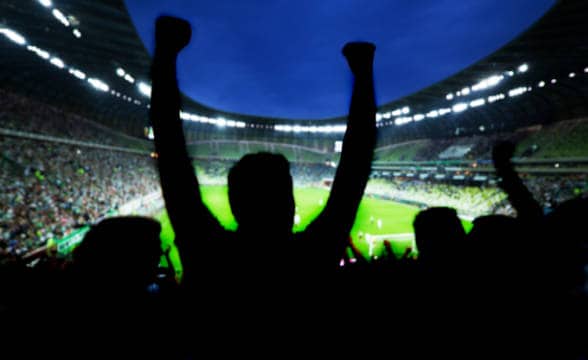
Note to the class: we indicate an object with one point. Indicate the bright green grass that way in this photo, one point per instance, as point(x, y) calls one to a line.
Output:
point(396, 219)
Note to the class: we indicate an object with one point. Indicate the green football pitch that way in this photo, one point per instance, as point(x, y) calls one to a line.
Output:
point(377, 220)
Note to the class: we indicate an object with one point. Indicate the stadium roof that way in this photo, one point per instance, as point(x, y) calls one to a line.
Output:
point(98, 39)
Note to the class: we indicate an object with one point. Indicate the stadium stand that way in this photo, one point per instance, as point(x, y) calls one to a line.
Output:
point(72, 154)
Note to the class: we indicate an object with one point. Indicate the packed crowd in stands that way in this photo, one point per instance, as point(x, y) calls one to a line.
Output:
point(214, 172)
point(467, 200)
point(49, 189)
point(26, 115)
point(563, 139)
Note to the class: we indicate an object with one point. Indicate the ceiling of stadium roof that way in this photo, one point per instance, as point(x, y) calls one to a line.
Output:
point(553, 47)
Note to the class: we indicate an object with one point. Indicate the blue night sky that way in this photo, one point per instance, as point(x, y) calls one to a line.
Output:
point(282, 58)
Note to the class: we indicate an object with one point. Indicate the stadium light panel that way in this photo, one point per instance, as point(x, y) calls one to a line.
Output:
point(378, 117)
point(495, 98)
point(57, 62)
point(457, 108)
point(129, 78)
point(221, 122)
point(40, 52)
point(488, 83)
point(98, 84)
point(397, 112)
point(517, 92)
point(523, 68)
point(405, 110)
point(418, 117)
point(77, 73)
point(510, 73)
point(554, 81)
point(478, 103)
point(59, 16)
point(402, 121)
point(541, 84)
point(444, 111)
point(449, 97)
point(572, 75)
point(387, 115)
point(433, 114)
point(46, 3)
point(144, 89)
point(586, 70)
point(120, 72)
point(465, 91)
point(77, 33)
point(13, 36)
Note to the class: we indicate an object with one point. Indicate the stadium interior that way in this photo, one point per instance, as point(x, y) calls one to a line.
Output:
point(76, 146)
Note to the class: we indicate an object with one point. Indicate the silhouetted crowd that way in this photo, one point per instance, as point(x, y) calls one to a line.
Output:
point(514, 287)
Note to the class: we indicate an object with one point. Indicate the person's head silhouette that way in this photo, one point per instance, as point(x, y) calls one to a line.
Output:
point(261, 195)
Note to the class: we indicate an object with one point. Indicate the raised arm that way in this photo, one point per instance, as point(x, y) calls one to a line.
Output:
point(521, 199)
point(187, 213)
point(335, 222)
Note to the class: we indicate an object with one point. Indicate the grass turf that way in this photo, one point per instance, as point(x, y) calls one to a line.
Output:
point(396, 220)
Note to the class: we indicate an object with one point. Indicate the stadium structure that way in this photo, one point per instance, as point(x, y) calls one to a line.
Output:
point(75, 74)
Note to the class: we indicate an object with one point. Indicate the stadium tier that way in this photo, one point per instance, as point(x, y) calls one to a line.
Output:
point(77, 155)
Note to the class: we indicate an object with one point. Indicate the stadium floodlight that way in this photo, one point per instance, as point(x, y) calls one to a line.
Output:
point(77, 73)
point(495, 98)
point(13, 36)
point(387, 115)
point(221, 122)
point(397, 112)
point(129, 78)
point(477, 103)
point(378, 117)
point(77, 33)
point(554, 81)
point(46, 3)
point(488, 83)
point(482, 128)
point(465, 91)
point(418, 117)
point(405, 110)
point(586, 70)
point(517, 91)
point(523, 68)
point(59, 16)
point(444, 111)
point(120, 72)
point(433, 114)
point(572, 75)
point(460, 107)
point(40, 52)
point(510, 73)
point(98, 84)
point(57, 62)
point(449, 97)
point(144, 89)
point(402, 121)
point(541, 84)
